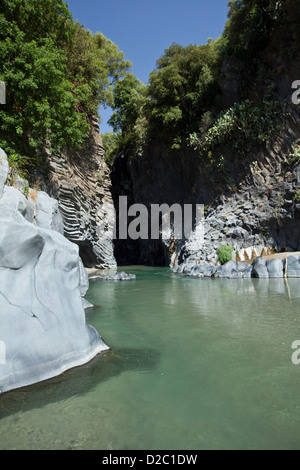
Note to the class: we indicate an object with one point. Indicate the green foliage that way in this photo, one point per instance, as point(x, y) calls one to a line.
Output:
point(56, 75)
point(40, 100)
point(241, 127)
point(251, 23)
point(129, 99)
point(294, 156)
point(128, 119)
point(111, 142)
point(225, 254)
point(296, 197)
point(94, 65)
point(50, 19)
point(17, 167)
point(183, 87)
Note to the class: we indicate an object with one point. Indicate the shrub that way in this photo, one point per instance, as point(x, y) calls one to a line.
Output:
point(225, 254)
point(241, 127)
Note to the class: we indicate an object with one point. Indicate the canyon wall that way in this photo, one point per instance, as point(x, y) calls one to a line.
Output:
point(256, 202)
point(80, 181)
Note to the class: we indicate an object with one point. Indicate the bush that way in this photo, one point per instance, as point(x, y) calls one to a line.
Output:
point(241, 127)
point(57, 75)
point(225, 254)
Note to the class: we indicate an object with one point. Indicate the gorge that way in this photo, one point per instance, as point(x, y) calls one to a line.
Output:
point(217, 125)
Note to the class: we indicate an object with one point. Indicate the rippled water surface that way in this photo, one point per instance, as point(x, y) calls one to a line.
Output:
point(194, 364)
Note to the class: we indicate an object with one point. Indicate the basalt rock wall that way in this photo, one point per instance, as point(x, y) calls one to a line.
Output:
point(254, 205)
point(80, 181)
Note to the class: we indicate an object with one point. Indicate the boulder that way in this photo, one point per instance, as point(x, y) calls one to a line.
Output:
point(17, 202)
point(203, 270)
point(42, 287)
point(293, 266)
point(47, 213)
point(275, 268)
point(245, 269)
point(42, 315)
point(260, 269)
point(227, 270)
point(116, 277)
point(20, 243)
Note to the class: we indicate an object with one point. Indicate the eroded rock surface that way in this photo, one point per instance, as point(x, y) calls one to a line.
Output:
point(43, 329)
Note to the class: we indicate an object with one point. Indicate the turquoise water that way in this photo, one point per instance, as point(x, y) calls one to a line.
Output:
point(194, 364)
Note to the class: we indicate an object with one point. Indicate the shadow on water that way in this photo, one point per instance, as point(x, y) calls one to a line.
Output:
point(78, 381)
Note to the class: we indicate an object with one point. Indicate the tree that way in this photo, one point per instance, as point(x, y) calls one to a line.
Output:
point(40, 99)
point(56, 74)
point(94, 65)
point(129, 98)
point(252, 22)
point(183, 86)
point(38, 20)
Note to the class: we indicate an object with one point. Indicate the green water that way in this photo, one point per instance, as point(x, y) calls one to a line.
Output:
point(195, 364)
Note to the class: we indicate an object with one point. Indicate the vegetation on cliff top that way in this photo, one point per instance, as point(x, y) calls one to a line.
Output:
point(57, 74)
point(183, 104)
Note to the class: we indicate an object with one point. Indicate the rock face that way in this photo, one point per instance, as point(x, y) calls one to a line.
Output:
point(253, 222)
point(42, 284)
point(252, 203)
point(80, 181)
point(260, 268)
point(260, 216)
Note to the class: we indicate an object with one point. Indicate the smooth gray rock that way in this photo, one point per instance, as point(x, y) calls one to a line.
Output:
point(86, 304)
point(242, 266)
point(260, 269)
point(120, 277)
point(235, 274)
point(20, 243)
point(47, 213)
point(203, 270)
point(234, 270)
point(84, 279)
point(226, 270)
point(293, 266)
point(247, 273)
point(259, 261)
point(42, 318)
point(16, 201)
point(275, 268)
point(115, 277)
point(3, 170)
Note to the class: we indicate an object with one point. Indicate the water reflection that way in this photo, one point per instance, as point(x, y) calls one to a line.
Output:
point(78, 381)
point(195, 364)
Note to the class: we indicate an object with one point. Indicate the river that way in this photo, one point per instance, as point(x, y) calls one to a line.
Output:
point(194, 364)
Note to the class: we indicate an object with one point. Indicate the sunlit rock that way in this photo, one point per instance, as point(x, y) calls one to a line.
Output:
point(43, 328)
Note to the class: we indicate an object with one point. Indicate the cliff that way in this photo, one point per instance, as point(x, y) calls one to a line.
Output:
point(80, 181)
point(251, 202)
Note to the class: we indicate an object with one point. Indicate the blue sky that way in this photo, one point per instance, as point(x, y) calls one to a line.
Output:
point(144, 29)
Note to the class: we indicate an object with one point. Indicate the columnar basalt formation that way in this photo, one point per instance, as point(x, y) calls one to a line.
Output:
point(80, 181)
